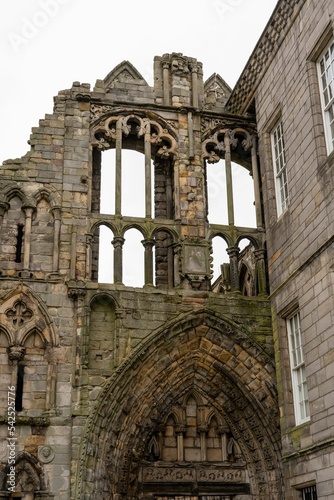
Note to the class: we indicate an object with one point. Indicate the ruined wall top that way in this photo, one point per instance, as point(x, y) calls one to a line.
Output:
point(178, 82)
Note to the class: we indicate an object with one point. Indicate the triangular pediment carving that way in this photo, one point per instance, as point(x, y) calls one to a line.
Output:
point(123, 72)
point(216, 90)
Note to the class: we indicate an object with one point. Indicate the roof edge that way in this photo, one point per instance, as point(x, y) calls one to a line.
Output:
point(266, 48)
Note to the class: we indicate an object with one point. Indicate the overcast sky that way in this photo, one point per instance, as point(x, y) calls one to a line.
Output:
point(46, 45)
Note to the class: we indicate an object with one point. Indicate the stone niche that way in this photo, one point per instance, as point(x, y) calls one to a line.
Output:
point(193, 452)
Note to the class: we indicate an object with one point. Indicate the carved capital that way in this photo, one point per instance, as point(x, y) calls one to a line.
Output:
point(16, 352)
point(148, 244)
point(233, 251)
point(118, 242)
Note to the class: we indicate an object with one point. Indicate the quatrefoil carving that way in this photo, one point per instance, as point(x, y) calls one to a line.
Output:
point(19, 313)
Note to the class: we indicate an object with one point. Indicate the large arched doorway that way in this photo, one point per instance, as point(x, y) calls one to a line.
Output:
point(191, 415)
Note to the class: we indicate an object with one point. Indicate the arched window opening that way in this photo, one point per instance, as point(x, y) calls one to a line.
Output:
point(42, 230)
point(133, 259)
point(164, 265)
point(29, 481)
point(221, 280)
point(133, 183)
point(12, 236)
point(242, 202)
point(163, 190)
point(169, 451)
point(132, 188)
point(103, 255)
point(216, 193)
point(107, 187)
point(19, 388)
point(19, 243)
point(243, 197)
point(192, 446)
point(214, 441)
point(33, 376)
point(101, 333)
point(247, 268)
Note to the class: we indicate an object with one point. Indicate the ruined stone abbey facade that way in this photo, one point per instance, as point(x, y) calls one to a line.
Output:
point(187, 387)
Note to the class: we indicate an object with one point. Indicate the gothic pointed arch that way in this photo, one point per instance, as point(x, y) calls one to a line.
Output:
point(124, 71)
point(29, 475)
point(216, 90)
point(31, 357)
point(20, 307)
point(206, 354)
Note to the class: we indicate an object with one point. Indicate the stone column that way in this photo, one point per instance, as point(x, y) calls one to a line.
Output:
point(118, 168)
point(223, 434)
point(202, 433)
point(118, 243)
point(177, 251)
point(180, 429)
point(229, 185)
point(256, 181)
point(194, 82)
point(261, 271)
point(169, 192)
point(165, 77)
point(89, 240)
point(190, 135)
point(15, 355)
point(56, 235)
point(51, 379)
point(148, 184)
point(170, 263)
point(148, 259)
point(78, 296)
point(73, 252)
point(233, 253)
point(27, 236)
point(176, 175)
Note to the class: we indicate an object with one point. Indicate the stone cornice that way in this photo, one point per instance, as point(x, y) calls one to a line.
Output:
point(266, 48)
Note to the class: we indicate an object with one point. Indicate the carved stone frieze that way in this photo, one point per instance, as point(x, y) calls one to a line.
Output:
point(191, 474)
point(97, 110)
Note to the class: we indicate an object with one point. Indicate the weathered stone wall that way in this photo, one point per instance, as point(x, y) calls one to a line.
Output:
point(105, 365)
point(300, 241)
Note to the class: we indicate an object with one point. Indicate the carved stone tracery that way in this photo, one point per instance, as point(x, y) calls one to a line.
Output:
point(104, 133)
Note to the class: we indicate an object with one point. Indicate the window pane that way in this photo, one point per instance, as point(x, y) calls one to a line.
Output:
point(309, 493)
point(326, 77)
point(278, 151)
point(298, 375)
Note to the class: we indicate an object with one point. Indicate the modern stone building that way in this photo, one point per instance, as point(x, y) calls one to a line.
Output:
point(187, 387)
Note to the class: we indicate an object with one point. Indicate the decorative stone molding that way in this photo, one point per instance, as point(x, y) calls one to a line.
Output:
point(45, 454)
point(104, 133)
point(16, 352)
point(214, 147)
point(191, 474)
point(279, 24)
point(19, 313)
